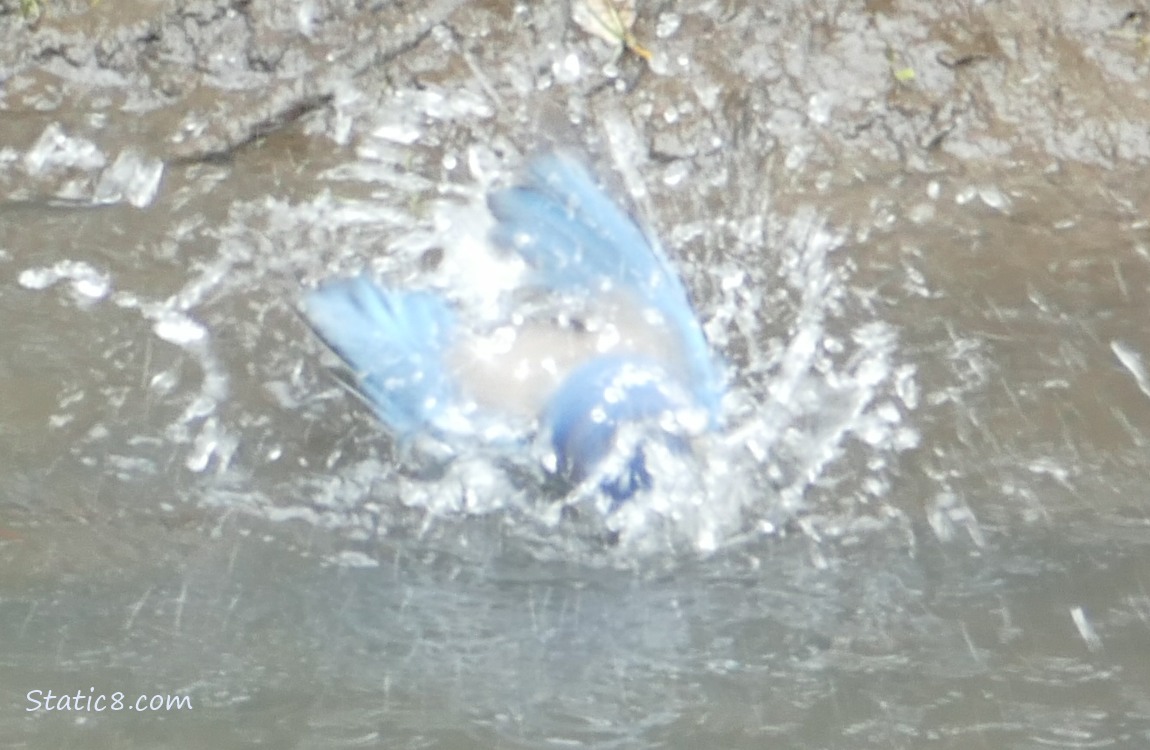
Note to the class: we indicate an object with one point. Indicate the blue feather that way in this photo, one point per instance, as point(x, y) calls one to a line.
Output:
point(584, 416)
point(576, 239)
point(402, 347)
point(395, 344)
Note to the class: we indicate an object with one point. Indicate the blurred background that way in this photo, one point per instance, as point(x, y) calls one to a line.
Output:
point(917, 234)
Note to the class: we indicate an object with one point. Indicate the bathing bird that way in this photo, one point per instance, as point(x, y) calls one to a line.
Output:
point(600, 355)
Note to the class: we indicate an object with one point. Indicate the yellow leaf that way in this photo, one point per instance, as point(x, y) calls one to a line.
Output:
point(611, 20)
point(902, 75)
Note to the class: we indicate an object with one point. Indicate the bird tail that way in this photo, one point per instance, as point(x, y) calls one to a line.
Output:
point(394, 343)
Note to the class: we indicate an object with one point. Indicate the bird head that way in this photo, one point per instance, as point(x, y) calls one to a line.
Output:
point(616, 407)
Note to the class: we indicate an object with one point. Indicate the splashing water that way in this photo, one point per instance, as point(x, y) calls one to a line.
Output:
point(811, 387)
point(814, 413)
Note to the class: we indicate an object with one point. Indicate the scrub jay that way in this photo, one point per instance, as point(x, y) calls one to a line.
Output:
point(600, 354)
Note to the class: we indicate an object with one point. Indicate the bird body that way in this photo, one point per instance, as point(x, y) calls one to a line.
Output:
point(605, 341)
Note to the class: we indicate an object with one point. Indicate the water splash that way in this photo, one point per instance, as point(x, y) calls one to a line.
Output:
point(86, 283)
point(72, 168)
point(816, 378)
point(817, 408)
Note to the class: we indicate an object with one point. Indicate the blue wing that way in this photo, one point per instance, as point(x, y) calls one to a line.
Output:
point(395, 343)
point(578, 240)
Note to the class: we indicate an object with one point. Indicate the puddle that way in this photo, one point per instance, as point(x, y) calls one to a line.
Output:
point(915, 236)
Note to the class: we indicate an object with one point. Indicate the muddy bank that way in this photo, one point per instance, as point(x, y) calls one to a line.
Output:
point(799, 90)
